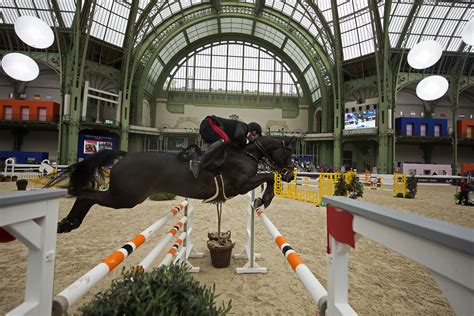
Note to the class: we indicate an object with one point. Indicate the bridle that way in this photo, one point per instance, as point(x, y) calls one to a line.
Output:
point(269, 161)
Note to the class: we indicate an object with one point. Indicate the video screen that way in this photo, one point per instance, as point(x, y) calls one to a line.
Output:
point(364, 119)
point(94, 146)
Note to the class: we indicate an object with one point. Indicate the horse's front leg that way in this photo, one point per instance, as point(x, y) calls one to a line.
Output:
point(253, 182)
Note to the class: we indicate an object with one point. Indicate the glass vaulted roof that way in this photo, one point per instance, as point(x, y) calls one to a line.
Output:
point(439, 20)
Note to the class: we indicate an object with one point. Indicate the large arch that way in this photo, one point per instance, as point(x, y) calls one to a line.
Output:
point(157, 40)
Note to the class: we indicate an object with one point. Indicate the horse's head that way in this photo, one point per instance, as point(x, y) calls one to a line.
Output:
point(278, 152)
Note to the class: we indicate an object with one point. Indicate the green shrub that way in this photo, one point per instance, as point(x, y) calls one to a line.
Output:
point(163, 291)
point(355, 188)
point(162, 196)
point(340, 189)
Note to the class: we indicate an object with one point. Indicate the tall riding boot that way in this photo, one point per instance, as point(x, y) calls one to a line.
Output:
point(196, 164)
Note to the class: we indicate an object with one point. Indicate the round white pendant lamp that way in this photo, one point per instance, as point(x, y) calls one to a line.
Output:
point(467, 34)
point(432, 88)
point(424, 54)
point(20, 67)
point(34, 32)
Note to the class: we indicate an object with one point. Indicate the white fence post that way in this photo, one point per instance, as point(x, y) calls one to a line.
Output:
point(32, 218)
point(249, 249)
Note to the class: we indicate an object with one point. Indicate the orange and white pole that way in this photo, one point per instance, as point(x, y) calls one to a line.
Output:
point(173, 250)
point(147, 261)
point(81, 286)
point(310, 282)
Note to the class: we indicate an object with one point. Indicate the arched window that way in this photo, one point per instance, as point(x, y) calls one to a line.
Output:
point(233, 67)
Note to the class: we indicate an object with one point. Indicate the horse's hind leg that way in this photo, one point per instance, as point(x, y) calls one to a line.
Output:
point(81, 207)
point(74, 219)
point(86, 200)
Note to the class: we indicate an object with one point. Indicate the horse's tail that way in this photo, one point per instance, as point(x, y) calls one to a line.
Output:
point(88, 173)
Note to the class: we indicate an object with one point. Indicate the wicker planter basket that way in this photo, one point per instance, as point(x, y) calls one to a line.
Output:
point(220, 256)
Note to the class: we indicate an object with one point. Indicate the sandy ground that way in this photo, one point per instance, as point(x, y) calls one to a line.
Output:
point(381, 281)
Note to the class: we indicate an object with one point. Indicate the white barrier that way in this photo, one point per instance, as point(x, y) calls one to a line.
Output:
point(81, 286)
point(29, 171)
point(31, 217)
point(249, 249)
point(447, 250)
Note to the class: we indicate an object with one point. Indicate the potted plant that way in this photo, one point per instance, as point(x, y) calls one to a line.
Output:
point(355, 188)
point(220, 244)
point(412, 184)
point(340, 189)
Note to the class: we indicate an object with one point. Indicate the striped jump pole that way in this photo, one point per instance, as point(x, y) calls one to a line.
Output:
point(310, 282)
point(173, 250)
point(148, 260)
point(81, 286)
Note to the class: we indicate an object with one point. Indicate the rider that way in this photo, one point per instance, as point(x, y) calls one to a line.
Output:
point(221, 132)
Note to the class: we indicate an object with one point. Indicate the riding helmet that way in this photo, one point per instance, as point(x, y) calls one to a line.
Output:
point(255, 127)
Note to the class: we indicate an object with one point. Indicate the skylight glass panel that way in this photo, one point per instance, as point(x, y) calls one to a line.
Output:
point(418, 25)
point(456, 13)
point(153, 75)
point(172, 47)
point(297, 15)
point(236, 25)
point(303, 17)
point(109, 22)
point(441, 22)
point(201, 30)
point(311, 79)
point(403, 8)
point(433, 25)
point(296, 54)
point(455, 44)
point(270, 34)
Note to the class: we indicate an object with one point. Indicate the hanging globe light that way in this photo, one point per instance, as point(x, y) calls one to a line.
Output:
point(467, 34)
point(20, 67)
point(34, 32)
point(432, 88)
point(424, 54)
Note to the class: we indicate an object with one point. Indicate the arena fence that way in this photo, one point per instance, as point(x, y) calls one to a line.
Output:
point(447, 250)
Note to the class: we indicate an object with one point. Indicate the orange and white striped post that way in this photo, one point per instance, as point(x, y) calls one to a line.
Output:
point(81, 286)
point(310, 282)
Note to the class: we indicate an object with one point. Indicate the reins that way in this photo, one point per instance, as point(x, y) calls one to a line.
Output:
point(269, 161)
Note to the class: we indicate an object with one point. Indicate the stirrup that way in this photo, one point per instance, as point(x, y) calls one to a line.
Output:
point(195, 167)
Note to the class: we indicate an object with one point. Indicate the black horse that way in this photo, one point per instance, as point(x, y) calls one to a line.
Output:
point(138, 175)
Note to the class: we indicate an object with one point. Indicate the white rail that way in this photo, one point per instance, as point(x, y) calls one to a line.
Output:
point(31, 217)
point(447, 250)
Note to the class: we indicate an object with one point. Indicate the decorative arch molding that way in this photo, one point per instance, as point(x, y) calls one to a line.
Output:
point(187, 122)
point(276, 125)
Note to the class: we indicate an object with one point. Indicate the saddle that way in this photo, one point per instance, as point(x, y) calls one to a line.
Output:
point(193, 151)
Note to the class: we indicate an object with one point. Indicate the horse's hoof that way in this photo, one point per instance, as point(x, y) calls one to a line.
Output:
point(257, 203)
point(66, 226)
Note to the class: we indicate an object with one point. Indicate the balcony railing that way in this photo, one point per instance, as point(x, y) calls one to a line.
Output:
point(100, 121)
point(29, 118)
